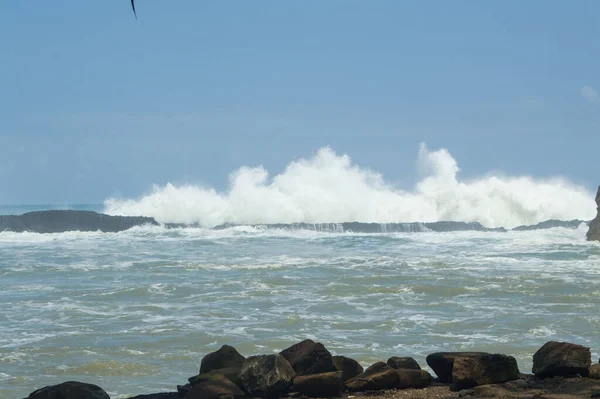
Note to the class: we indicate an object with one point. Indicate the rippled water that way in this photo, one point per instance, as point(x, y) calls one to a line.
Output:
point(134, 312)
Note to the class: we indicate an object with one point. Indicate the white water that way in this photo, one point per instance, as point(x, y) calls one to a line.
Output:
point(329, 188)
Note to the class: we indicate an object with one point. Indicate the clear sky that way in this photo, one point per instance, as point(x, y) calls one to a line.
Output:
point(94, 103)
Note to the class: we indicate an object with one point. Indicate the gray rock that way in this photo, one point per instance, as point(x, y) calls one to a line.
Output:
point(58, 221)
point(266, 375)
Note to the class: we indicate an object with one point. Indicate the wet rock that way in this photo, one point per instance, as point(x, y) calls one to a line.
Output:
point(595, 394)
point(231, 373)
point(213, 386)
point(471, 371)
point(593, 233)
point(349, 367)
point(594, 371)
point(161, 395)
point(323, 385)
point(411, 378)
point(70, 390)
point(403, 363)
point(266, 375)
point(375, 377)
point(442, 362)
point(309, 357)
point(227, 356)
point(561, 359)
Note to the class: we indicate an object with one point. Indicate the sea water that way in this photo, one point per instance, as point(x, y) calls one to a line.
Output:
point(134, 312)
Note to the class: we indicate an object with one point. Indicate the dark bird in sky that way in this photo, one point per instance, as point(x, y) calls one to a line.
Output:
point(133, 6)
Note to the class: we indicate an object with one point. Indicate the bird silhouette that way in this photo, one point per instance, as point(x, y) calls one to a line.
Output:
point(133, 7)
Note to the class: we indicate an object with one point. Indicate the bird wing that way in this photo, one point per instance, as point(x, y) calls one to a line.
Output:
point(133, 7)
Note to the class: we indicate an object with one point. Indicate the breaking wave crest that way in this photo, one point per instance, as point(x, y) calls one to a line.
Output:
point(330, 188)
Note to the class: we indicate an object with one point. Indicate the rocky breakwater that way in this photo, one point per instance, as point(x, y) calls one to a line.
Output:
point(59, 221)
point(307, 369)
point(593, 233)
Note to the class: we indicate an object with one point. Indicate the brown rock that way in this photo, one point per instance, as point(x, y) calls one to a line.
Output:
point(471, 371)
point(231, 373)
point(595, 371)
point(266, 375)
point(349, 367)
point(226, 356)
point(323, 385)
point(214, 386)
point(411, 378)
point(70, 390)
point(377, 376)
point(309, 357)
point(593, 233)
point(403, 363)
point(561, 359)
point(442, 362)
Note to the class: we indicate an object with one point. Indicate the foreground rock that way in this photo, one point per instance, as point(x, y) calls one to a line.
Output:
point(309, 357)
point(593, 233)
point(375, 377)
point(349, 367)
point(266, 375)
point(381, 376)
point(323, 385)
point(59, 221)
point(226, 357)
point(214, 386)
point(471, 371)
point(442, 363)
point(403, 363)
point(70, 390)
point(561, 359)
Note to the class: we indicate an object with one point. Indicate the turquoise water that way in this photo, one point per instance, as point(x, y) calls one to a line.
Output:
point(134, 312)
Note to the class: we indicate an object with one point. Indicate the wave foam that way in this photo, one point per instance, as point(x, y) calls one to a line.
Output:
point(329, 188)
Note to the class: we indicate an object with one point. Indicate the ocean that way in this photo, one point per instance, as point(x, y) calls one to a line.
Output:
point(134, 312)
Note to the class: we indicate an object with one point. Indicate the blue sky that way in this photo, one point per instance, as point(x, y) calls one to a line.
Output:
point(95, 103)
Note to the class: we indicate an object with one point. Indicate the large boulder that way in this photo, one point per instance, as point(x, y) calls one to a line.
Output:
point(309, 357)
point(561, 359)
point(442, 362)
point(266, 375)
point(70, 390)
point(593, 233)
point(226, 356)
point(213, 386)
point(403, 363)
point(323, 385)
point(471, 371)
point(349, 367)
point(375, 377)
point(411, 378)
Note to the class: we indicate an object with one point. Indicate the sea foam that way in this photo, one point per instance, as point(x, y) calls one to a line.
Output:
point(328, 187)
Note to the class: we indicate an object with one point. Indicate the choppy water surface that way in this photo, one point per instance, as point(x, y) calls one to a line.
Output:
point(134, 312)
